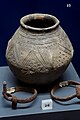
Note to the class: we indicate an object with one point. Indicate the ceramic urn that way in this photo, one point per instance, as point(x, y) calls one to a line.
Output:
point(39, 51)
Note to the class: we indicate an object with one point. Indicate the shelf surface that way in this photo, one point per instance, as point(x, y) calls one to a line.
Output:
point(35, 106)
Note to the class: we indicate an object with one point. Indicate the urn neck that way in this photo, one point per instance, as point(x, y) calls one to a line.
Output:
point(39, 22)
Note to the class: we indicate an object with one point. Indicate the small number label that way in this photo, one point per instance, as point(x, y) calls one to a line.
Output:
point(47, 104)
point(68, 5)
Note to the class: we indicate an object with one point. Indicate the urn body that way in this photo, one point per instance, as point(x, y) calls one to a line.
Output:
point(40, 50)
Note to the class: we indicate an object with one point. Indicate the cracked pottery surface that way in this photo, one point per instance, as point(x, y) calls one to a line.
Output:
point(39, 55)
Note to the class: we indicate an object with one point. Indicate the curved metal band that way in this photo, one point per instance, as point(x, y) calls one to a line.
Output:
point(7, 94)
point(63, 84)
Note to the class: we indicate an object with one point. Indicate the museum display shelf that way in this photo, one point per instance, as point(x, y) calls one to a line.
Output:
point(33, 111)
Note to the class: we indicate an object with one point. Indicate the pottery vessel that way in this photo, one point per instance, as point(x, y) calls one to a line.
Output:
point(39, 51)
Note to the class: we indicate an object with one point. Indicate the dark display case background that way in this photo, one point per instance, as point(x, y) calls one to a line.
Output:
point(67, 11)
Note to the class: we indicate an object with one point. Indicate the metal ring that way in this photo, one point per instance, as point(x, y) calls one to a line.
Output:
point(7, 94)
point(63, 84)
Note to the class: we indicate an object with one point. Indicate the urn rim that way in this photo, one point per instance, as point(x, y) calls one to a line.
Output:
point(25, 21)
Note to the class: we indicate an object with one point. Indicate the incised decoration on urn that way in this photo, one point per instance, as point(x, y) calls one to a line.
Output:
point(39, 51)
